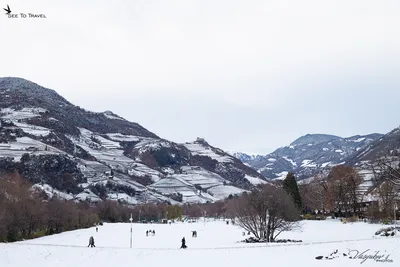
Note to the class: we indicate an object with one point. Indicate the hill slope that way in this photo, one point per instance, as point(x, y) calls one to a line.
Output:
point(388, 144)
point(78, 154)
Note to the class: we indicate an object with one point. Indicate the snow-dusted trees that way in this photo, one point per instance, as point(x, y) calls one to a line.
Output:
point(266, 212)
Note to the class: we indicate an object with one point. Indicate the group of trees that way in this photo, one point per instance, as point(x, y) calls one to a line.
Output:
point(27, 213)
point(340, 192)
point(344, 190)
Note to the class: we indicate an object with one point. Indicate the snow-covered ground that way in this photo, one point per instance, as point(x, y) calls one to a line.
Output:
point(32, 129)
point(255, 180)
point(201, 150)
point(24, 145)
point(216, 245)
point(25, 113)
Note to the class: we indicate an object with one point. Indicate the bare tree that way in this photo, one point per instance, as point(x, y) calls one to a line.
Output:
point(388, 168)
point(343, 188)
point(314, 193)
point(386, 179)
point(266, 212)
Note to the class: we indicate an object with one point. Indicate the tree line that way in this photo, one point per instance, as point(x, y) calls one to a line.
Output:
point(345, 192)
point(27, 212)
point(266, 211)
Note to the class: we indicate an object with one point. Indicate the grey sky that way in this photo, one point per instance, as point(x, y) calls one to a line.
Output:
point(246, 75)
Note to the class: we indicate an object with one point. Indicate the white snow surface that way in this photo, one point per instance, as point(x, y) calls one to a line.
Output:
point(32, 129)
point(24, 145)
point(216, 245)
point(51, 192)
point(254, 180)
point(110, 116)
point(291, 161)
point(198, 149)
point(25, 113)
point(87, 195)
point(359, 140)
point(308, 163)
point(325, 164)
point(122, 196)
point(111, 153)
point(281, 175)
point(123, 137)
point(223, 191)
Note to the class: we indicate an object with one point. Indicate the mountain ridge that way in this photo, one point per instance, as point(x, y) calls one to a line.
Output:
point(310, 154)
point(100, 155)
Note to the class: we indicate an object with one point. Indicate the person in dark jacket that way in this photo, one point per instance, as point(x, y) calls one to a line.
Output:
point(183, 243)
point(91, 242)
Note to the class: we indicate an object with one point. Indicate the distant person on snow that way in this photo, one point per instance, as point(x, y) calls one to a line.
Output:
point(183, 243)
point(154, 232)
point(91, 242)
point(97, 229)
point(147, 233)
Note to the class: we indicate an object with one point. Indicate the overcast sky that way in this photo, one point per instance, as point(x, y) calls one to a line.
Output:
point(247, 76)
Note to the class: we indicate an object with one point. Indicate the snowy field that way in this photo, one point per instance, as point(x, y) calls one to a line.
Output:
point(216, 245)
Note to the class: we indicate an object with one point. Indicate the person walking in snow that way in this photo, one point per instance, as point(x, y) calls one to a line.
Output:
point(183, 243)
point(91, 242)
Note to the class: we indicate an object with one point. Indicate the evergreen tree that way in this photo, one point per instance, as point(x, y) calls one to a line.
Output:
point(290, 186)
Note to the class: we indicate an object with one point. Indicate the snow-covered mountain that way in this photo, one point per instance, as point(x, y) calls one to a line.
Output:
point(77, 154)
point(244, 157)
point(310, 154)
point(388, 144)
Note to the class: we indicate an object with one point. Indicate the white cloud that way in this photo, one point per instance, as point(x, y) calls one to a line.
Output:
point(263, 65)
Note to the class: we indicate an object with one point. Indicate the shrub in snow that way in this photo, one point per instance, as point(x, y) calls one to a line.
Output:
point(388, 231)
point(317, 217)
point(288, 241)
point(255, 240)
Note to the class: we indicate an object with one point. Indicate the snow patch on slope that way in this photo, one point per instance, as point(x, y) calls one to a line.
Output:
point(25, 113)
point(26, 145)
point(32, 129)
point(290, 160)
point(198, 149)
point(51, 192)
point(254, 180)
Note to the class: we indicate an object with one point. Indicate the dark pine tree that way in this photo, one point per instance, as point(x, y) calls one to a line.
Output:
point(290, 186)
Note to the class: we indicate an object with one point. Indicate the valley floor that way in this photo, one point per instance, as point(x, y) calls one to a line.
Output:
point(216, 245)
